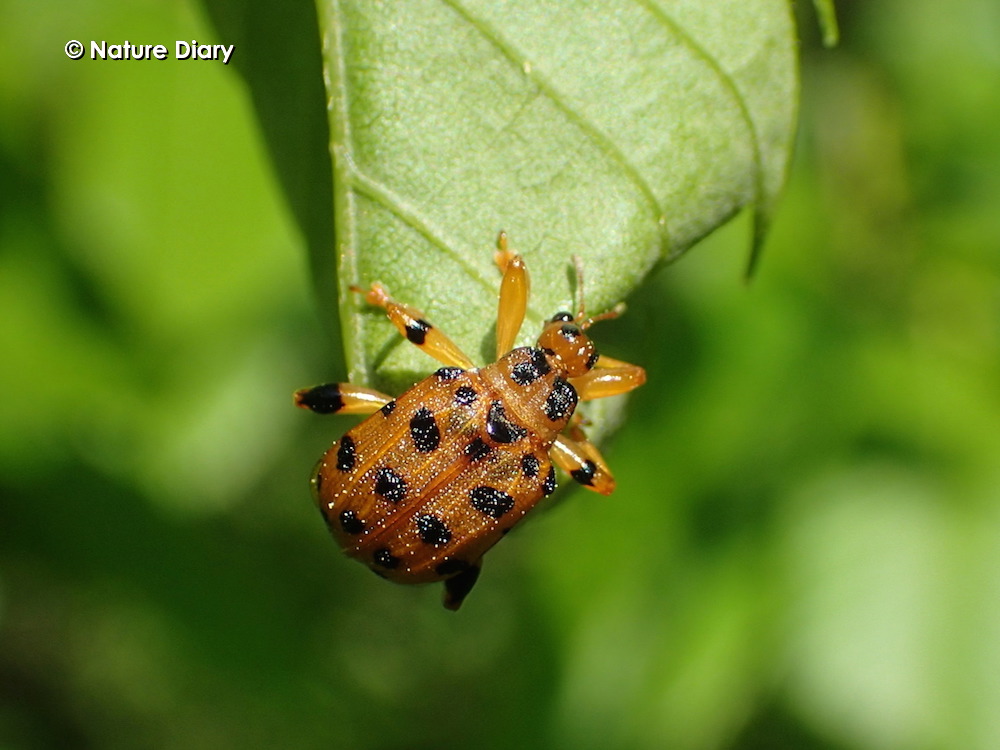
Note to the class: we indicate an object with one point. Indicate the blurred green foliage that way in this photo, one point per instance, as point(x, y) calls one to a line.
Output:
point(803, 550)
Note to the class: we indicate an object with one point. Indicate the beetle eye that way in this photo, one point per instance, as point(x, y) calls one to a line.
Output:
point(562, 317)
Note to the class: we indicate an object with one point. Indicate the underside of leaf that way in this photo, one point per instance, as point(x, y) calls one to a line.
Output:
point(619, 132)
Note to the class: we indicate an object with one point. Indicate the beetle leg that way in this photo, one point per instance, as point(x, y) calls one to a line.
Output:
point(609, 378)
point(340, 398)
point(579, 458)
point(458, 586)
point(411, 323)
point(514, 289)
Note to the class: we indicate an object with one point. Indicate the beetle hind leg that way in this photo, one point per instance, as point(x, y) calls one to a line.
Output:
point(459, 585)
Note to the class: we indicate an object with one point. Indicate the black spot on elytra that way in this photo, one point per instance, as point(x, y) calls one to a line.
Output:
point(592, 359)
point(388, 408)
point(491, 501)
point(416, 332)
point(563, 317)
point(323, 399)
point(585, 474)
point(464, 395)
point(562, 401)
point(477, 449)
point(530, 465)
point(350, 522)
point(424, 431)
point(346, 454)
point(549, 485)
point(448, 373)
point(385, 559)
point(451, 565)
point(432, 530)
point(500, 428)
point(390, 485)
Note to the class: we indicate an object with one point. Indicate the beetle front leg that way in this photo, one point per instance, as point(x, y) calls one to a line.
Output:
point(579, 458)
point(410, 322)
point(610, 377)
point(514, 289)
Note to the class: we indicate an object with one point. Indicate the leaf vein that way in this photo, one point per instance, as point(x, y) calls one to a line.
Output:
point(727, 83)
point(561, 102)
point(408, 214)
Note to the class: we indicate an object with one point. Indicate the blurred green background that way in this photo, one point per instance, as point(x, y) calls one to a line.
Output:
point(804, 550)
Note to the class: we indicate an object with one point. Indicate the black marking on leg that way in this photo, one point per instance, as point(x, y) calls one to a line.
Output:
point(477, 449)
point(322, 399)
point(448, 373)
point(390, 485)
point(424, 431)
point(585, 474)
point(346, 454)
point(491, 501)
point(530, 465)
point(458, 586)
point(549, 485)
point(500, 428)
point(350, 523)
point(416, 332)
point(464, 395)
point(388, 408)
point(432, 530)
point(385, 559)
point(562, 401)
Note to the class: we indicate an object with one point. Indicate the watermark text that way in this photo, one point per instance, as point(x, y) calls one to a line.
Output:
point(126, 50)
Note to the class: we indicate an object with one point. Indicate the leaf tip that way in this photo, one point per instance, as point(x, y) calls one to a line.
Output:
point(827, 17)
point(761, 223)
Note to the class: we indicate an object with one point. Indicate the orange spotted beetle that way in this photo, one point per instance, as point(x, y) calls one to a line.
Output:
point(424, 486)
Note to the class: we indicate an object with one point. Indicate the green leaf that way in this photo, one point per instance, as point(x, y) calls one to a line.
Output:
point(621, 132)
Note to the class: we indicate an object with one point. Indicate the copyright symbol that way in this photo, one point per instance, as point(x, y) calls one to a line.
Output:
point(74, 49)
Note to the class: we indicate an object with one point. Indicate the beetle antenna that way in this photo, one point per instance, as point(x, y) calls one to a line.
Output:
point(580, 307)
point(611, 314)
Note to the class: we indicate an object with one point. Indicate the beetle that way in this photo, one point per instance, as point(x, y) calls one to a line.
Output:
point(432, 479)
